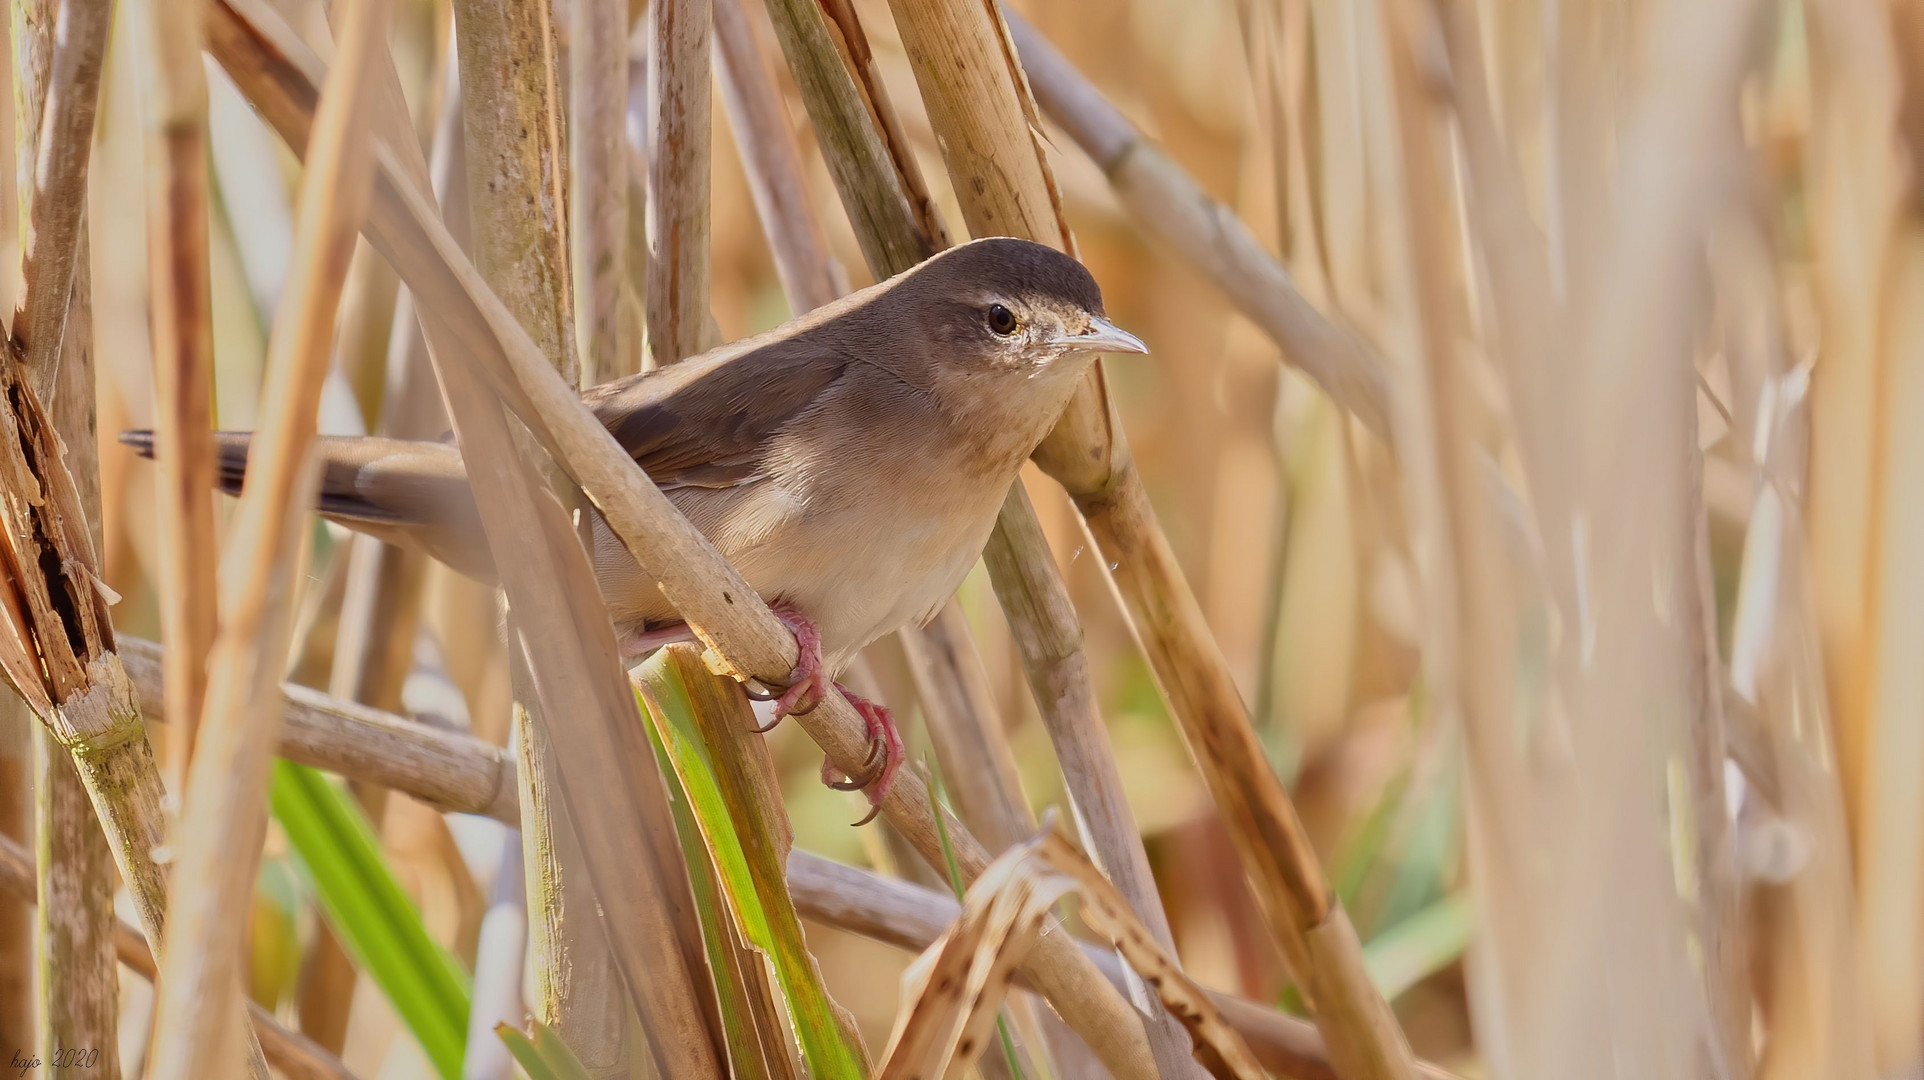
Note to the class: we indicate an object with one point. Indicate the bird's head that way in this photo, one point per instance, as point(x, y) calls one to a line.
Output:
point(1000, 306)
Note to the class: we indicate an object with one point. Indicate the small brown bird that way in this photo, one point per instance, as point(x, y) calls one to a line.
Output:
point(850, 463)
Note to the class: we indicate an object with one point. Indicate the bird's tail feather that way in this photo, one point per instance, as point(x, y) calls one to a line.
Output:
point(409, 493)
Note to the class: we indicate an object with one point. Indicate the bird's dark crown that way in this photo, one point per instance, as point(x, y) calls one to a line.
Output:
point(1016, 268)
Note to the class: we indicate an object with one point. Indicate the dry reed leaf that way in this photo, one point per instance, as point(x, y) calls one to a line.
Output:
point(954, 992)
point(959, 983)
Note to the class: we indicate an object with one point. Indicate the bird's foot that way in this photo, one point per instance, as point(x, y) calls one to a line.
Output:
point(808, 683)
point(884, 756)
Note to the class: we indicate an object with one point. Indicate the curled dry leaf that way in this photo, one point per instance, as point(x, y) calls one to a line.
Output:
point(957, 986)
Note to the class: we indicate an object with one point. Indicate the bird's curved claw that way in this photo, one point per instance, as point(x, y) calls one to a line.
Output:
point(807, 684)
point(884, 758)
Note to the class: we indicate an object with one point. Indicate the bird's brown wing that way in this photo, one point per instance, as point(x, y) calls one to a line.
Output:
point(708, 421)
point(703, 423)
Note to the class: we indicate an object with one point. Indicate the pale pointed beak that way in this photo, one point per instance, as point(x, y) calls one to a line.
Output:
point(1105, 336)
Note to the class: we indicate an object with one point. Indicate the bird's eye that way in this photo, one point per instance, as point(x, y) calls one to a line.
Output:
point(1001, 320)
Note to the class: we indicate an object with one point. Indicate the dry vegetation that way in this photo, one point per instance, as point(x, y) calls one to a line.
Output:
point(1483, 640)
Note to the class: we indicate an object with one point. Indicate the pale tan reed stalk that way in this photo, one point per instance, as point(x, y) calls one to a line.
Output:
point(677, 136)
point(1862, 232)
point(773, 163)
point(380, 605)
point(224, 819)
point(511, 87)
point(598, 180)
point(174, 113)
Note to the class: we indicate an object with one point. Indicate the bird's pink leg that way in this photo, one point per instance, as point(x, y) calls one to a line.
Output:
point(807, 685)
point(885, 755)
point(641, 643)
point(809, 681)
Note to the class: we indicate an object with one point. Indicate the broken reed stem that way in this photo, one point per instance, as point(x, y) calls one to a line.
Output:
point(224, 821)
point(79, 992)
point(174, 111)
point(979, 775)
point(1171, 206)
point(296, 1057)
point(80, 995)
point(773, 162)
point(678, 153)
point(598, 176)
point(57, 645)
point(78, 989)
point(274, 72)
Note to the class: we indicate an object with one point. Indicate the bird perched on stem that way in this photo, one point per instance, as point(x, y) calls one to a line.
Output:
point(850, 463)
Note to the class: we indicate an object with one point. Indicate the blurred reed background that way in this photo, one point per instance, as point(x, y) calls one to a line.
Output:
point(1532, 417)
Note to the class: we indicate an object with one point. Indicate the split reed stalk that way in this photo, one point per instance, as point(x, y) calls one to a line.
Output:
point(78, 991)
point(224, 818)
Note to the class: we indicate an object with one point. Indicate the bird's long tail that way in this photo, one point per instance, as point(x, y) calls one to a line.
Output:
point(409, 493)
